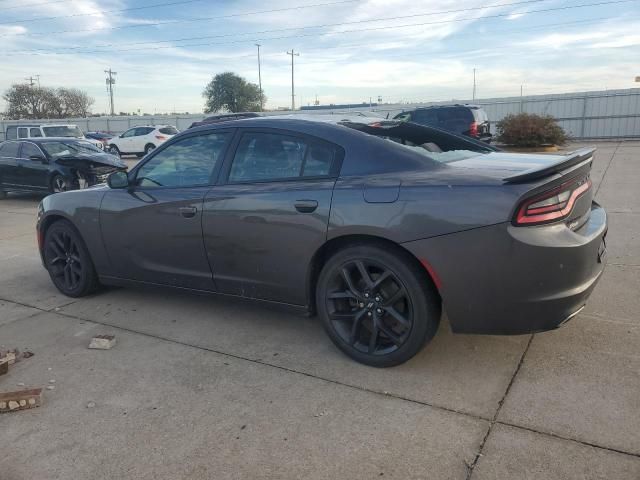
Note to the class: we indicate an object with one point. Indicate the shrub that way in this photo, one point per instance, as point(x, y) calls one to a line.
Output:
point(529, 130)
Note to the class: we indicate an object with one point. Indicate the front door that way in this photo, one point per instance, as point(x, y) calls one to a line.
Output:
point(126, 140)
point(34, 173)
point(264, 223)
point(153, 230)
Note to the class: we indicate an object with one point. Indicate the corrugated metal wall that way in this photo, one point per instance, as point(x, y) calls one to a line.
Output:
point(607, 114)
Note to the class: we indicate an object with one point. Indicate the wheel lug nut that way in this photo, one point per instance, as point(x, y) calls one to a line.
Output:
point(379, 311)
point(368, 314)
point(378, 298)
point(366, 295)
point(361, 305)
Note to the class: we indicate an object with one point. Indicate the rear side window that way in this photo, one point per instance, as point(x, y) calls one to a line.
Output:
point(187, 163)
point(23, 132)
point(9, 149)
point(12, 133)
point(169, 130)
point(268, 156)
point(425, 117)
point(35, 132)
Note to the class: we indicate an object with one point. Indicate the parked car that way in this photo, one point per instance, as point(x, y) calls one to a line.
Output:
point(16, 132)
point(102, 137)
point(374, 227)
point(469, 120)
point(141, 140)
point(53, 165)
point(224, 117)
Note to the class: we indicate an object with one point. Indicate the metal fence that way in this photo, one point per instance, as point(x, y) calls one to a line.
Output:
point(611, 114)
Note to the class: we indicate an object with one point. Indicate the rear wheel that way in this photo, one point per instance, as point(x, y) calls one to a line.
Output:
point(3, 194)
point(376, 305)
point(67, 260)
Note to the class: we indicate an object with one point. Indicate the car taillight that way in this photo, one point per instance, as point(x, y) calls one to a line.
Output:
point(160, 137)
point(473, 129)
point(552, 205)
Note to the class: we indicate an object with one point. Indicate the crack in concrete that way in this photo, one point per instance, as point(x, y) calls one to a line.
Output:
point(606, 170)
point(470, 468)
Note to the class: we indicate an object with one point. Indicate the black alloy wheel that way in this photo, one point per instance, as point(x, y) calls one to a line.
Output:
point(376, 306)
point(67, 260)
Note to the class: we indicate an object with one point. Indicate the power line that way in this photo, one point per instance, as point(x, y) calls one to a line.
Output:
point(29, 5)
point(110, 45)
point(168, 22)
point(99, 12)
point(55, 52)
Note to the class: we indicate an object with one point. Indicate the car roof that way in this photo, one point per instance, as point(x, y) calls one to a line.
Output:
point(48, 139)
point(454, 105)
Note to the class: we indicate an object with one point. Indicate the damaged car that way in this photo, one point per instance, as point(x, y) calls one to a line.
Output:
point(53, 165)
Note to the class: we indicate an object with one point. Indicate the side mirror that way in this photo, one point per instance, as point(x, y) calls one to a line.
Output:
point(38, 158)
point(118, 180)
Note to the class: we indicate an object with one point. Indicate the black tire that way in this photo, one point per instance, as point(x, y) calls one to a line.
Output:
point(68, 261)
point(59, 184)
point(397, 305)
point(113, 150)
point(149, 147)
point(3, 194)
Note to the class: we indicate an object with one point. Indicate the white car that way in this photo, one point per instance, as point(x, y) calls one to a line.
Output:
point(141, 140)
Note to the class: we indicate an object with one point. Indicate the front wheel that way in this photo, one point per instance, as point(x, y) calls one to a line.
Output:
point(377, 306)
point(68, 261)
point(149, 148)
point(113, 150)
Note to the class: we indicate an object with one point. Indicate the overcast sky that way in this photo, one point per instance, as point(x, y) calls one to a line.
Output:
point(401, 50)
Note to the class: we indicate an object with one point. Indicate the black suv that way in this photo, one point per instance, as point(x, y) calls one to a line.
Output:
point(469, 120)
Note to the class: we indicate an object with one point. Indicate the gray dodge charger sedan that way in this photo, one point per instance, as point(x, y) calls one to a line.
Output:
point(375, 226)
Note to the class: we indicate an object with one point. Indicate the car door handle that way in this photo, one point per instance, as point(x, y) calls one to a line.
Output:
point(188, 212)
point(306, 206)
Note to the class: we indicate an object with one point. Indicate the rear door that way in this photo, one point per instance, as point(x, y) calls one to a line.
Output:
point(153, 230)
point(263, 224)
point(34, 173)
point(9, 163)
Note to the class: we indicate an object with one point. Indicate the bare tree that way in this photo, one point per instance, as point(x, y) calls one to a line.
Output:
point(26, 101)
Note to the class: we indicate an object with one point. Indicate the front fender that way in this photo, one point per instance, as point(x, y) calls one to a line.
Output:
point(82, 209)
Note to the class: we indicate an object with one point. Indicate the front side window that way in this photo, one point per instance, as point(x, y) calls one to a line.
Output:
point(143, 131)
point(186, 163)
point(71, 131)
point(268, 156)
point(9, 149)
point(35, 132)
point(30, 150)
point(129, 133)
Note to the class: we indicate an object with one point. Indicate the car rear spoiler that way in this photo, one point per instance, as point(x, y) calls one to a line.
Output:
point(584, 155)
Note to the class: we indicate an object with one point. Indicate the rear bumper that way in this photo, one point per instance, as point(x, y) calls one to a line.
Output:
point(503, 279)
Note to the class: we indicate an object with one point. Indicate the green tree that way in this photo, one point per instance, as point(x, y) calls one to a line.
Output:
point(230, 92)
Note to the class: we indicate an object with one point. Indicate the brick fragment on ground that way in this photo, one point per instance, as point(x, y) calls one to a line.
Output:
point(103, 342)
point(20, 399)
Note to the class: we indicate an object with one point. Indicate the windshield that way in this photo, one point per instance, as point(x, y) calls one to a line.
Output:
point(65, 149)
point(63, 131)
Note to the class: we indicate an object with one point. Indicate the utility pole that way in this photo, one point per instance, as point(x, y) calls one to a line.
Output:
point(32, 80)
point(293, 102)
point(110, 81)
point(474, 84)
point(520, 98)
point(260, 78)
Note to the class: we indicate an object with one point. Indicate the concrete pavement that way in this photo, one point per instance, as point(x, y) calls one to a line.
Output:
point(201, 387)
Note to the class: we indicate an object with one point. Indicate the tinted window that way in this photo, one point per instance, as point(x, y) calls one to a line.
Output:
point(35, 132)
point(169, 130)
point(188, 162)
point(425, 117)
point(29, 150)
point(62, 131)
point(268, 156)
point(9, 149)
point(12, 133)
point(23, 132)
point(143, 131)
point(129, 133)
